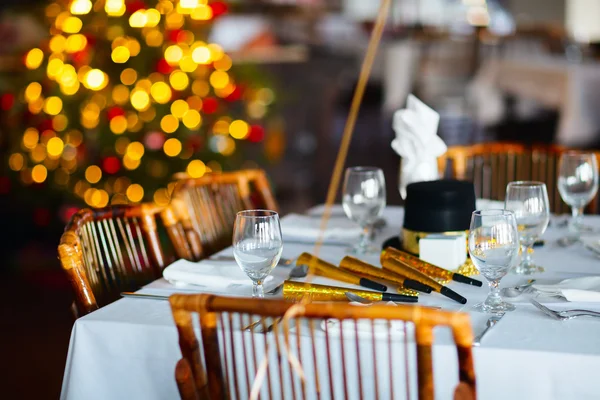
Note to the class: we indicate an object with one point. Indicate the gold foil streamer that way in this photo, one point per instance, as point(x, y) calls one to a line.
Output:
point(296, 291)
point(370, 271)
point(433, 271)
point(323, 268)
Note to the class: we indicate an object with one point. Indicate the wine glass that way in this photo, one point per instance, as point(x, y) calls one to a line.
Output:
point(363, 202)
point(577, 184)
point(257, 245)
point(494, 247)
point(529, 202)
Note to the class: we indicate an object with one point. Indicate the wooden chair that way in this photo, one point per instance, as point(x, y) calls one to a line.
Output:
point(106, 251)
point(491, 166)
point(233, 359)
point(207, 206)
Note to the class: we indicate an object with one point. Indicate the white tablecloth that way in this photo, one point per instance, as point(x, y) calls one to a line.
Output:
point(128, 349)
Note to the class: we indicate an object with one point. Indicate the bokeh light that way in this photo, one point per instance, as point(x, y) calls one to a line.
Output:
point(196, 169)
point(135, 193)
point(172, 147)
point(34, 58)
point(93, 174)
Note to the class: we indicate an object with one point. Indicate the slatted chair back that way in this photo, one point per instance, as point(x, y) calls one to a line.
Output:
point(209, 205)
point(381, 352)
point(491, 166)
point(107, 251)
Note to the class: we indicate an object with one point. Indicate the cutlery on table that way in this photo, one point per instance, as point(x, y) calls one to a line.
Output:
point(145, 296)
point(517, 290)
point(359, 299)
point(564, 315)
point(299, 271)
point(493, 320)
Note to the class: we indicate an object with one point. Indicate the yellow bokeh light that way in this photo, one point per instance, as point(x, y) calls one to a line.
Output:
point(76, 43)
point(114, 31)
point(135, 150)
point(95, 79)
point(161, 92)
point(140, 99)
point(202, 13)
point(153, 17)
point(31, 136)
point(53, 9)
point(224, 64)
point(195, 102)
point(35, 107)
point(34, 58)
point(55, 147)
point(179, 108)
point(138, 19)
point(219, 79)
point(173, 54)
point(201, 55)
point(200, 88)
point(135, 193)
point(39, 173)
point(33, 91)
point(228, 147)
point(179, 80)
point(134, 47)
point(120, 54)
point(128, 76)
point(187, 64)
point(70, 90)
point(74, 138)
point(16, 161)
point(53, 105)
point(57, 44)
point(115, 8)
point(118, 124)
point(161, 197)
point(93, 174)
point(60, 122)
point(189, 3)
point(144, 84)
point(174, 21)
point(134, 124)
point(192, 119)
point(196, 169)
point(81, 7)
point(154, 38)
point(221, 127)
point(169, 123)
point(55, 67)
point(148, 115)
point(99, 199)
point(216, 51)
point(72, 25)
point(239, 129)
point(130, 163)
point(38, 154)
point(172, 147)
point(120, 94)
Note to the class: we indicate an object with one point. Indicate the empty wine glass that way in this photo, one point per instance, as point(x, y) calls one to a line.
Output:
point(529, 202)
point(257, 245)
point(577, 184)
point(494, 247)
point(364, 201)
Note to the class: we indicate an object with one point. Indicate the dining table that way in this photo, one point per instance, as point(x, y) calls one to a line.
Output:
point(128, 349)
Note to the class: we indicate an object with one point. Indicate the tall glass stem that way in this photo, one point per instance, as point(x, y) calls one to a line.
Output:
point(365, 239)
point(577, 214)
point(257, 289)
point(494, 298)
point(526, 251)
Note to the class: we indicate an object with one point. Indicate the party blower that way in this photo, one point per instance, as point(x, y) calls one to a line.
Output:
point(296, 291)
point(397, 266)
point(428, 269)
point(357, 266)
point(327, 270)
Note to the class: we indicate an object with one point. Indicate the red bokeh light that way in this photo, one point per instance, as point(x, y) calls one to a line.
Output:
point(135, 6)
point(115, 112)
point(163, 67)
point(111, 165)
point(256, 134)
point(218, 8)
point(210, 105)
point(7, 100)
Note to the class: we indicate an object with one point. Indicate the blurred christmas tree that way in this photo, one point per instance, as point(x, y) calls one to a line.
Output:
point(124, 94)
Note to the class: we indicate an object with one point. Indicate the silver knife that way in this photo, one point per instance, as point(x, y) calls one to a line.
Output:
point(489, 325)
point(145, 296)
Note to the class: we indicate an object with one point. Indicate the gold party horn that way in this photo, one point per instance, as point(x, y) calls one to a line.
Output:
point(296, 291)
point(357, 266)
point(327, 270)
point(428, 269)
point(403, 269)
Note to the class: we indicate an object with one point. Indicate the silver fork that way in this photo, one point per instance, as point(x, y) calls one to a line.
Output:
point(564, 315)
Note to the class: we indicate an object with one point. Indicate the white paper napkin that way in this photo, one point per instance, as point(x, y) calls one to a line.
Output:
point(305, 228)
point(586, 289)
point(417, 142)
point(335, 327)
point(215, 276)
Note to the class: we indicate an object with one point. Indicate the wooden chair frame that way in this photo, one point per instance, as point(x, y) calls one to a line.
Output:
point(80, 264)
point(211, 381)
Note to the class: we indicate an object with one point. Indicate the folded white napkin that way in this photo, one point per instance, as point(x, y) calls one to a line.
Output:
point(215, 276)
point(586, 289)
point(335, 327)
point(417, 142)
point(305, 228)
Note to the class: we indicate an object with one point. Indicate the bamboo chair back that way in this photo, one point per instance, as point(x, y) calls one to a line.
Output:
point(373, 359)
point(491, 166)
point(107, 251)
point(207, 206)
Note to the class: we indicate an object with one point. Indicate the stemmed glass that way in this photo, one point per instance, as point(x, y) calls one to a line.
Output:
point(364, 201)
point(493, 246)
point(257, 245)
point(529, 202)
point(577, 184)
